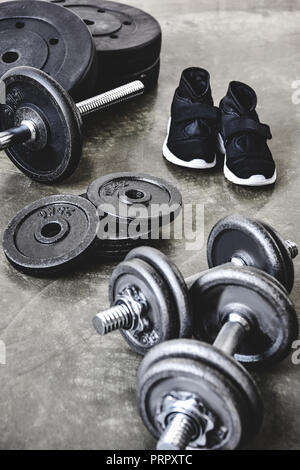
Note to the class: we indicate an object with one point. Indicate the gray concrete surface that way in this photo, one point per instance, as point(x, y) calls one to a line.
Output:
point(63, 386)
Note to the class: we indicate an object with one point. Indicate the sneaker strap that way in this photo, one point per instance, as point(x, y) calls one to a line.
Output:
point(241, 125)
point(195, 111)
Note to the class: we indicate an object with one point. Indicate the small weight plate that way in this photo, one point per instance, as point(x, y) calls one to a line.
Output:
point(51, 234)
point(148, 76)
point(216, 392)
point(287, 259)
point(176, 284)
point(32, 94)
point(115, 239)
point(150, 285)
point(248, 239)
point(135, 196)
point(113, 232)
point(216, 359)
point(253, 294)
point(127, 39)
point(50, 38)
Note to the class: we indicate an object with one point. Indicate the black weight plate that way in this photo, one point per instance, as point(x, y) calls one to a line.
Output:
point(113, 232)
point(135, 196)
point(51, 234)
point(149, 283)
point(219, 395)
point(246, 290)
point(148, 76)
point(30, 90)
point(127, 39)
point(247, 238)
point(176, 284)
point(115, 240)
point(216, 359)
point(50, 38)
point(288, 262)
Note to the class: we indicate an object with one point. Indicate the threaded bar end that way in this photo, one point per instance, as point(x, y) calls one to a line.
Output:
point(178, 434)
point(111, 97)
point(292, 247)
point(114, 318)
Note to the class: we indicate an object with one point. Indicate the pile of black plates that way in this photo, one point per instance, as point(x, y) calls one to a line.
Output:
point(117, 213)
point(88, 46)
point(127, 40)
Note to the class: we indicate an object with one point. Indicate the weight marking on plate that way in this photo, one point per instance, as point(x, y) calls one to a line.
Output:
point(62, 211)
point(110, 188)
point(14, 98)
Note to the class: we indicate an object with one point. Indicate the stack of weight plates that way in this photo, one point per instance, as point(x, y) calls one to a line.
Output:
point(126, 204)
point(49, 38)
point(56, 233)
point(89, 46)
point(127, 40)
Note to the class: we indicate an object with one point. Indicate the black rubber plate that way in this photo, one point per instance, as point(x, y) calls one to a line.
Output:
point(148, 76)
point(34, 90)
point(51, 234)
point(127, 39)
point(50, 38)
point(122, 194)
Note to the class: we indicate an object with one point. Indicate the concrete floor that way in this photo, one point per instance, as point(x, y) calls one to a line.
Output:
point(63, 386)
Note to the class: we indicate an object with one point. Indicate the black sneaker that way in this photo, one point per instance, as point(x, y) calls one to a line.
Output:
point(192, 135)
point(243, 139)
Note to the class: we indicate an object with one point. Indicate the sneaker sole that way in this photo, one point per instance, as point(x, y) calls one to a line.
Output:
point(254, 180)
point(196, 163)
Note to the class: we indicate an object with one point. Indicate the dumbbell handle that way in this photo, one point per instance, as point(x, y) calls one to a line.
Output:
point(232, 333)
point(26, 131)
point(17, 135)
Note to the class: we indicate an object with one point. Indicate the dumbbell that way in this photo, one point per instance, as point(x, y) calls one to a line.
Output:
point(42, 126)
point(149, 299)
point(193, 395)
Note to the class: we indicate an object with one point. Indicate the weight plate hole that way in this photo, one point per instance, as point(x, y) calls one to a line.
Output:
point(127, 23)
point(20, 24)
point(89, 22)
point(134, 194)
point(114, 36)
point(10, 56)
point(53, 41)
point(51, 230)
point(101, 10)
